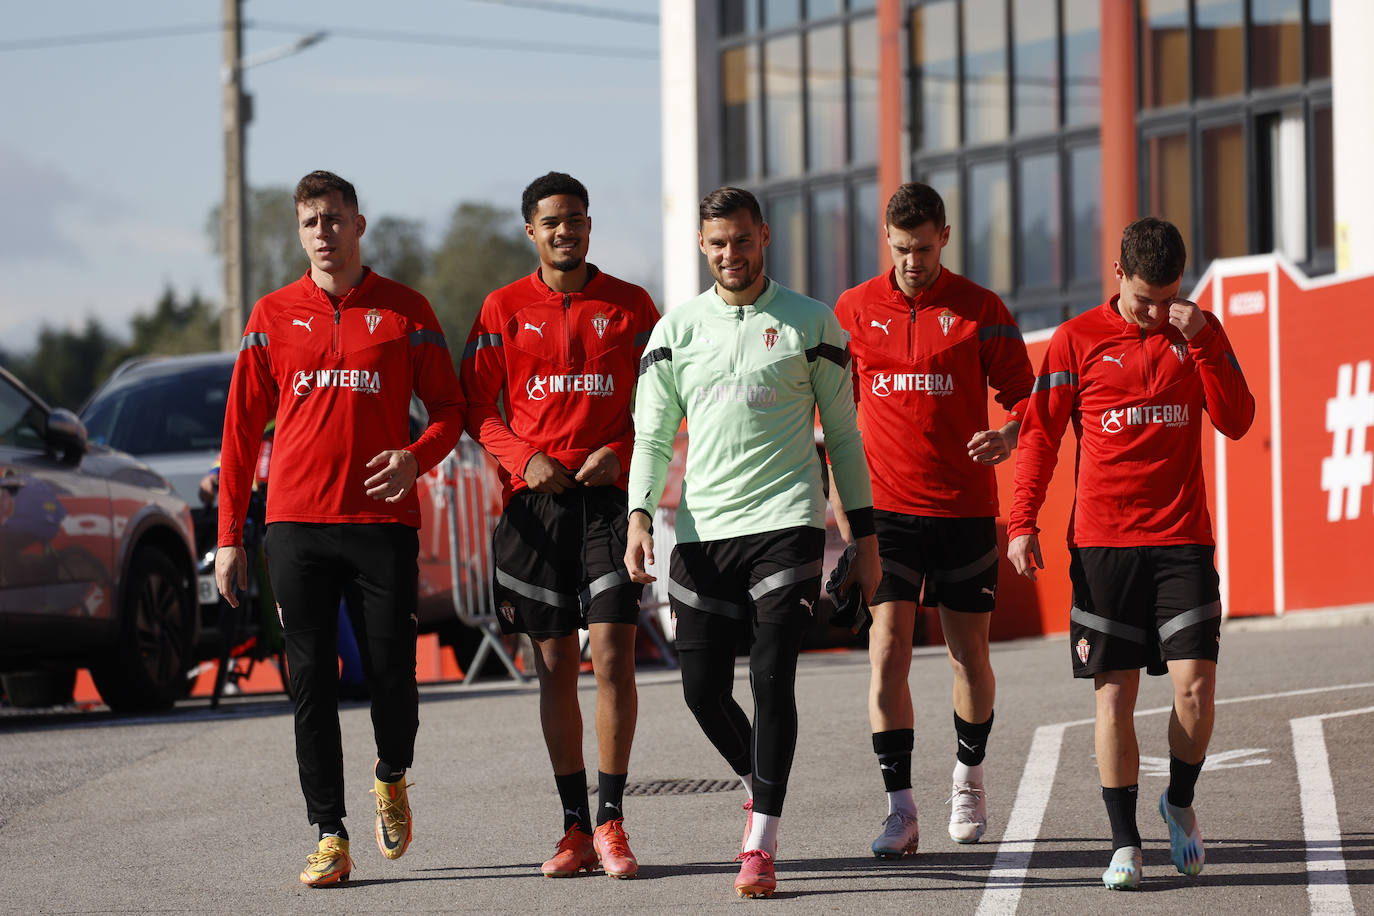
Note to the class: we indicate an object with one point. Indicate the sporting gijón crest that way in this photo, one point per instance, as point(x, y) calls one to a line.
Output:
point(946, 319)
point(600, 322)
point(373, 318)
point(770, 337)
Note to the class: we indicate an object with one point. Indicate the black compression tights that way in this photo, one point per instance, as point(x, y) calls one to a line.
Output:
point(708, 676)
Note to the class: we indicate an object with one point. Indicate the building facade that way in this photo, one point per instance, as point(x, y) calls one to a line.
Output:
point(1046, 125)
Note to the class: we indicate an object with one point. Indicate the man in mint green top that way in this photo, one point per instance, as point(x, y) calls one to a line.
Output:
point(748, 364)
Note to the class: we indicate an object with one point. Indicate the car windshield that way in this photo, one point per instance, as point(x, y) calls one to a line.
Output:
point(166, 412)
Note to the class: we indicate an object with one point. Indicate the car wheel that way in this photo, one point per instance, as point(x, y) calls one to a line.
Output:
point(153, 652)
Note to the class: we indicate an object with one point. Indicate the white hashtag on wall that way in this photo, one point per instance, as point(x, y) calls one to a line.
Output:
point(1350, 467)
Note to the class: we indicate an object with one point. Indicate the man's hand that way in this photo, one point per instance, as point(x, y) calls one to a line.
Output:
point(993, 446)
point(601, 469)
point(544, 475)
point(396, 477)
point(639, 549)
point(1187, 317)
point(867, 569)
point(209, 486)
point(231, 572)
point(1024, 554)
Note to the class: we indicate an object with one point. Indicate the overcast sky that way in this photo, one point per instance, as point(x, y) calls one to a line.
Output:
point(111, 151)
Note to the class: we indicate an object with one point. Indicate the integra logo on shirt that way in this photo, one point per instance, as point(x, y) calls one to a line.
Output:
point(357, 380)
point(594, 384)
point(1114, 421)
point(885, 384)
point(757, 395)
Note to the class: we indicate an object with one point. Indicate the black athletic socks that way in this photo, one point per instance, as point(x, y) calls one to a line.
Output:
point(1182, 781)
point(973, 740)
point(385, 773)
point(1121, 812)
point(894, 748)
point(610, 793)
point(572, 791)
point(338, 830)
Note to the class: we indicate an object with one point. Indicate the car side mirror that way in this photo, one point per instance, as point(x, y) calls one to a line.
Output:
point(66, 435)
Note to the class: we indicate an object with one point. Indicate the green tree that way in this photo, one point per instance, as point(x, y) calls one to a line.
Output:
point(275, 256)
point(483, 248)
point(65, 366)
point(173, 328)
point(396, 248)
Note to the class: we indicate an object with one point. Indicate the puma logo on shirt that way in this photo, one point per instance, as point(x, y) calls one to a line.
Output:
point(1114, 359)
point(305, 324)
point(875, 323)
point(538, 330)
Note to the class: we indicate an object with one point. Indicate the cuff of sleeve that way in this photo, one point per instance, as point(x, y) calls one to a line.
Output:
point(1202, 339)
point(860, 522)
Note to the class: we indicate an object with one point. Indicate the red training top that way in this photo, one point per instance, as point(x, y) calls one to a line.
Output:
point(566, 363)
point(339, 380)
point(922, 368)
point(1136, 399)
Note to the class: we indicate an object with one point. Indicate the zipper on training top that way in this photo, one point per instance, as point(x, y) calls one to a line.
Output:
point(567, 332)
point(334, 332)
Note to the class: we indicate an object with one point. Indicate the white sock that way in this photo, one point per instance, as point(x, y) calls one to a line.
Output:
point(747, 780)
point(972, 775)
point(901, 800)
point(764, 833)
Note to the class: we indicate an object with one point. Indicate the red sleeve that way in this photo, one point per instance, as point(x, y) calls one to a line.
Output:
point(1047, 415)
point(646, 316)
point(1225, 394)
point(844, 313)
point(436, 384)
point(483, 374)
point(252, 401)
point(1003, 352)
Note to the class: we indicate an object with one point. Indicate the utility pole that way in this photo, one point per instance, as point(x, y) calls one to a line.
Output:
point(233, 217)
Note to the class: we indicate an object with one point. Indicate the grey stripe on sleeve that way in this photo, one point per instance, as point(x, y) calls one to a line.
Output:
point(480, 341)
point(1054, 380)
point(837, 355)
point(256, 339)
point(426, 335)
point(999, 330)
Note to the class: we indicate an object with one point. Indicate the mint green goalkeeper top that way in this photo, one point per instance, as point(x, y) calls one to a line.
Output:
point(749, 381)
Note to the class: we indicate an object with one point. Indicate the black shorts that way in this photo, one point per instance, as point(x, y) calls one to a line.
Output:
point(938, 561)
point(560, 562)
point(1139, 607)
point(773, 577)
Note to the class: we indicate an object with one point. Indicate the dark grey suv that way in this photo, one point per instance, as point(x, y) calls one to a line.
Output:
point(96, 560)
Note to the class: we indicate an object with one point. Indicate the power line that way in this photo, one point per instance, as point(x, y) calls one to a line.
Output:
point(94, 38)
point(577, 9)
point(461, 41)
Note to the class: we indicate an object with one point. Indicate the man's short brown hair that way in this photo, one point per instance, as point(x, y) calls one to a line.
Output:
point(725, 202)
point(321, 184)
point(915, 204)
point(1152, 249)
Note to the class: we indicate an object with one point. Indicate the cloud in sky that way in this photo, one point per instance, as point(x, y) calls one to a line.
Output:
point(35, 195)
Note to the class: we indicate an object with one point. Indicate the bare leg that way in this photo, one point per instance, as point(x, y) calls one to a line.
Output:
point(617, 699)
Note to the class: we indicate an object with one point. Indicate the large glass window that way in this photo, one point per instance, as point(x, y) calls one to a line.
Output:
point(989, 226)
point(1036, 53)
point(783, 112)
point(946, 184)
point(825, 98)
point(829, 244)
point(1085, 209)
point(1169, 188)
point(1324, 187)
point(738, 16)
point(1318, 39)
point(1222, 188)
point(935, 65)
point(1082, 68)
point(1275, 43)
point(1039, 236)
point(822, 9)
point(863, 90)
point(868, 218)
point(739, 69)
point(786, 256)
point(779, 13)
point(1219, 48)
point(985, 71)
point(1164, 52)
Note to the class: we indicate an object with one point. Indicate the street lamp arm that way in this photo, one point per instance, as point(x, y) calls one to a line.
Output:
point(295, 47)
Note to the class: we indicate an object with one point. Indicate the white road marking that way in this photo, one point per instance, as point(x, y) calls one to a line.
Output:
point(1002, 893)
point(1328, 890)
point(1216, 760)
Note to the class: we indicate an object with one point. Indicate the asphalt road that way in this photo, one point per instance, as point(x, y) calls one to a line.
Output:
point(200, 811)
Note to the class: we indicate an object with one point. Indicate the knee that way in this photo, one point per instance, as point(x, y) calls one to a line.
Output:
point(970, 660)
point(1196, 694)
